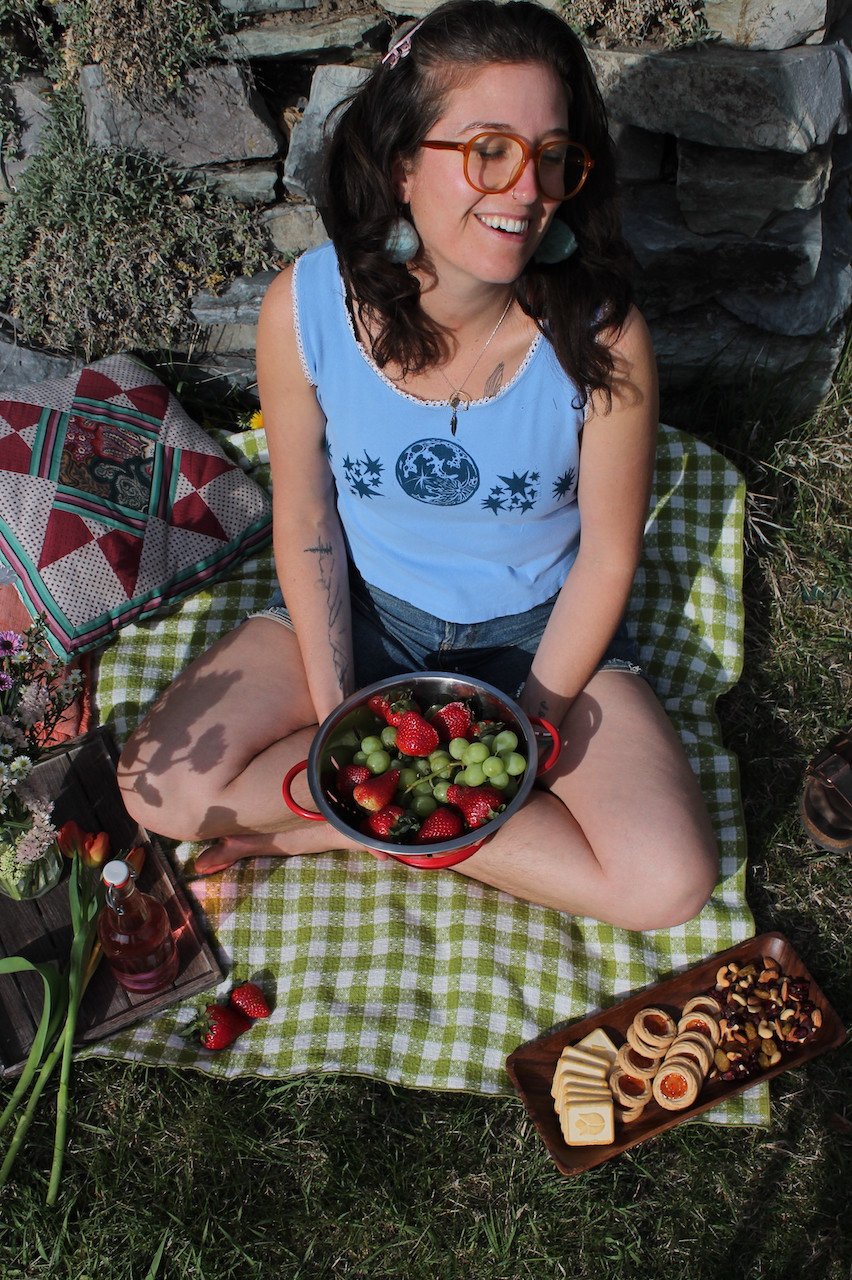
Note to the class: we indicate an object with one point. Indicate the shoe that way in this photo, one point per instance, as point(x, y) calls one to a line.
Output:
point(826, 803)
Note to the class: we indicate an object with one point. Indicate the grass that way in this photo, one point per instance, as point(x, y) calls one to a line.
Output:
point(175, 1176)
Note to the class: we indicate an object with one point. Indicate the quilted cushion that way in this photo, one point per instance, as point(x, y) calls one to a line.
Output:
point(114, 503)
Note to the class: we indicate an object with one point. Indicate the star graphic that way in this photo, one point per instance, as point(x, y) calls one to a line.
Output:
point(494, 503)
point(517, 484)
point(372, 465)
point(364, 489)
point(534, 477)
point(527, 505)
point(564, 484)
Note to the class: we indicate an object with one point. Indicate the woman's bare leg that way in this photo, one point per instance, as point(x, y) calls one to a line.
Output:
point(623, 833)
point(208, 760)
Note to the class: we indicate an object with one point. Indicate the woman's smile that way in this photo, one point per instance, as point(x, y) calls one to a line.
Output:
point(471, 236)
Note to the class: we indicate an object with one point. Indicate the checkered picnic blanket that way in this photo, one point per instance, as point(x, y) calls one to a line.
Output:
point(429, 979)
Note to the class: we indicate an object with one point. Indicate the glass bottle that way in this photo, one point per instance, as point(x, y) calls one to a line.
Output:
point(135, 933)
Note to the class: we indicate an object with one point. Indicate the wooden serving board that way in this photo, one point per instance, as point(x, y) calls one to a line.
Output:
point(531, 1065)
point(79, 778)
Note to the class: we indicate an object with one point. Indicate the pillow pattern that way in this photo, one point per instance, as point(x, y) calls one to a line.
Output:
point(114, 503)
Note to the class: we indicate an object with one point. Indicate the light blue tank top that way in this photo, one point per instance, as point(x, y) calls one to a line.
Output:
point(469, 527)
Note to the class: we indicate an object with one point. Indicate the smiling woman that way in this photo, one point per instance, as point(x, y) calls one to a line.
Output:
point(451, 389)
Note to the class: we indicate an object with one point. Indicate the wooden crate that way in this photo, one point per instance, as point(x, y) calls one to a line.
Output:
point(80, 780)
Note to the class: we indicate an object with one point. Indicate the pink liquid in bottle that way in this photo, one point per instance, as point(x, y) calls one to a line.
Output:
point(135, 933)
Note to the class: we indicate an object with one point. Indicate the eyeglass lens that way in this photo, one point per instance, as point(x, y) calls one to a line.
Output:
point(495, 161)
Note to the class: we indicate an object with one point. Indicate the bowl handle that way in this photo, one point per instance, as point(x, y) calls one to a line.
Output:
point(437, 861)
point(310, 814)
point(556, 745)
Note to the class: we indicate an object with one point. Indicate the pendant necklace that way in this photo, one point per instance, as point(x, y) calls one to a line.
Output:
point(460, 398)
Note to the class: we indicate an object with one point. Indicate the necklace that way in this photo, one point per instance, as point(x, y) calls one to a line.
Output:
point(460, 398)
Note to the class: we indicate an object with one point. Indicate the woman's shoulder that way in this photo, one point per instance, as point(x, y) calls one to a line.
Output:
point(313, 263)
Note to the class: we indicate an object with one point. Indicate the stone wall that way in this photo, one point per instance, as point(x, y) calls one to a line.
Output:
point(734, 159)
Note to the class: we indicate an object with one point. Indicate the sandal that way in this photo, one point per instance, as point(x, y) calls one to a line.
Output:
point(826, 803)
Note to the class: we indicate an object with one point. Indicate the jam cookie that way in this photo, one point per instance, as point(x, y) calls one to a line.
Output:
point(655, 1027)
point(677, 1083)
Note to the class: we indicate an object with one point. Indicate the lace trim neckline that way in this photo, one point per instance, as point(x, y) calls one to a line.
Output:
point(419, 400)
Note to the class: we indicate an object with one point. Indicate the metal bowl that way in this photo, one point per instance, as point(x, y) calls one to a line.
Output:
point(339, 736)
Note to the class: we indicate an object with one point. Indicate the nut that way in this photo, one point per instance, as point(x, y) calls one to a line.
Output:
point(740, 999)
point(722, 978)
point(816, 1017)
point(764, 1030)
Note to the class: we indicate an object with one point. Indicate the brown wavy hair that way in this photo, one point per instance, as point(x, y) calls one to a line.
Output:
point(385, 119)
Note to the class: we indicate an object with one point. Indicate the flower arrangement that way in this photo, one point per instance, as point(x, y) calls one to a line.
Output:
point(63, 992)
point(35, 690)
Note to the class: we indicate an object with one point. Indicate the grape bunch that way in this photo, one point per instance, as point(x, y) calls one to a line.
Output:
point(424, 777)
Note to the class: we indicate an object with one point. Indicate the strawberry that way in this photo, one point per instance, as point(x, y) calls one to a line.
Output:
point(443, 823)
point(376, 792)
point(478, 804)
point(250, 1000)
point(390, 706)
point(389, 823)
point(415, 736)
point(222, 1025)
point(453, 721)
point(348, 778)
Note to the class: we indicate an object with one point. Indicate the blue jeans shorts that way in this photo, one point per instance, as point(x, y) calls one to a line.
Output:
point(391, 637)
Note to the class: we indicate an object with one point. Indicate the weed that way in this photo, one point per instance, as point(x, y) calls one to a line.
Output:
point(670, 23)
point(103, 250)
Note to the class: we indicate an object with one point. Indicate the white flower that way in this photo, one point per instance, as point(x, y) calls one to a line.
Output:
point(20, 768)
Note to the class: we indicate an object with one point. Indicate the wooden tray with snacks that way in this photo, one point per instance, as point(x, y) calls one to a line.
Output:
point(764, 985)
point(80, 780)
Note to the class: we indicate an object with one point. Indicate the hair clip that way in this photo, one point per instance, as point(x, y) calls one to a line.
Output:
point(402, 47)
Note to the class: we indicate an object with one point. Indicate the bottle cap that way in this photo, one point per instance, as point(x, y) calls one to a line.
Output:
point(115, 874)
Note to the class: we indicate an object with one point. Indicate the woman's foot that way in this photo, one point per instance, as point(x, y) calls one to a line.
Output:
point(295, 838)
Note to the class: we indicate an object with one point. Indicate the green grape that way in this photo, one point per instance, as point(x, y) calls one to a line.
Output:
point(423, 788)
point(473, 775)
point(475, 753)
point(487, 739)
point(500, 780)
point(422, 766)
point(360, 757)
point(388, 735)
point(439, 791)
point(378, 761)
point(514, 762)
point(457, 747)
point(492, 766)
point(505, 740)
point(407, 777)
point(440, 759)
point(423, 805)
point(371, 743)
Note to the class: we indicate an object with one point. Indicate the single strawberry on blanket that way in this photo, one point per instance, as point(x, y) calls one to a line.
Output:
point(222, 1025)
point(250, 1000)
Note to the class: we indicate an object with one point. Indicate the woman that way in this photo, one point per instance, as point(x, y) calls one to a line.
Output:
point(427, 382)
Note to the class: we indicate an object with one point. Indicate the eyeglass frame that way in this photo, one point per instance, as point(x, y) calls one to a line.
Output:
point(527, 153)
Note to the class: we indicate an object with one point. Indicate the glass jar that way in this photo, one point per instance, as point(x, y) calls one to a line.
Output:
point(30, 879)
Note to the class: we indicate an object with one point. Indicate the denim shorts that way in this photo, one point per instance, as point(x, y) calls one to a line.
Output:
point(391, 637)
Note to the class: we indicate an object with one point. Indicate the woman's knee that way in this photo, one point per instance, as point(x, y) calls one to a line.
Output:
point(674, 892)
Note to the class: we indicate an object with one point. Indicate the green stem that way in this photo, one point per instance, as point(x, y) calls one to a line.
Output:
point(26, 1119)
point(78, 974)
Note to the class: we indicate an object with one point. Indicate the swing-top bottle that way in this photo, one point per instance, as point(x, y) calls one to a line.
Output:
point(135, 933)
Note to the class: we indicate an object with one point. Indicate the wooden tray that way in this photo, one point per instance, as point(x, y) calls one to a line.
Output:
point(80, 780)
point(531, 1066)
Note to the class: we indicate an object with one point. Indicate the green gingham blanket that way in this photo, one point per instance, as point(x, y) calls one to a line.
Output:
point(426, 978)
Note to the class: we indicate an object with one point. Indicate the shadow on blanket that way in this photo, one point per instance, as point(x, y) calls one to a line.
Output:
point(428, 979)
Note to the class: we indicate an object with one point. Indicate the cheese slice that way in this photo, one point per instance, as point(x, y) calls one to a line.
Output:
point(599, 1042)
point(579, 1067)
point(575, 1053)
point(586, 1124)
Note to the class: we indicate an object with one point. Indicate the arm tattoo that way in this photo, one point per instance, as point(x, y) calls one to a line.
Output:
point(495, 380)
point(334, 602)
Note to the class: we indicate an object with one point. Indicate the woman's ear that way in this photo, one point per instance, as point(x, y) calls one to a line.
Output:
point(401, 173)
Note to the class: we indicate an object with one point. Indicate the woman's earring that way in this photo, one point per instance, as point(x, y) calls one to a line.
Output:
point(401, 242)
point(558, 244)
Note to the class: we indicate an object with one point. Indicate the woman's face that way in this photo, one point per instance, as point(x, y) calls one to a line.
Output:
point(470, 237)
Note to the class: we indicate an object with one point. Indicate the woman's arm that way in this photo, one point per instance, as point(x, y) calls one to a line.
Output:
point(310, 553)
point(616, 468)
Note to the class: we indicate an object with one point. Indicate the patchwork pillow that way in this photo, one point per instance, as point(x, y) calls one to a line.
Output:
point(114, 503)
